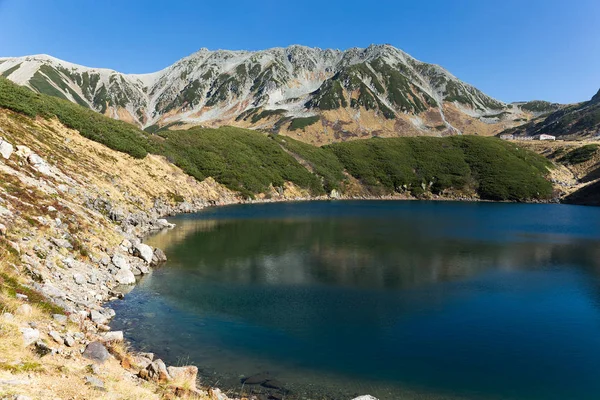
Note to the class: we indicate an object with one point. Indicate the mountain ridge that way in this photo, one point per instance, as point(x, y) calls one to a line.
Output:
point(359, 92)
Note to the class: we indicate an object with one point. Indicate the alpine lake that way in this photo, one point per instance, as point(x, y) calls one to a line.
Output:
point(396, 299)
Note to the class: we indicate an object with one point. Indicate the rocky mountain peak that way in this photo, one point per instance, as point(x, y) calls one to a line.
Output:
point(360, 91)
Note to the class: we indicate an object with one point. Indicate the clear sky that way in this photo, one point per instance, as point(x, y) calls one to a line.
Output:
point(511, 49)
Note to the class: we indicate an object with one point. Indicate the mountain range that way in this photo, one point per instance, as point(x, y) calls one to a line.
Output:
point(315, 95)
point(576, 121)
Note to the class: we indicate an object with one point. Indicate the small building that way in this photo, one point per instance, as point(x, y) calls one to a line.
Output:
point(547, 137)
point(507, 136)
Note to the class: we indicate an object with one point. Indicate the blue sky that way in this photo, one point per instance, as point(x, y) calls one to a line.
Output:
point(512, 49)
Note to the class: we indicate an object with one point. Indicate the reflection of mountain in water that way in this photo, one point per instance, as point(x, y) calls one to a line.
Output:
point(497, 299)
point(262, 270)
point(354, 253)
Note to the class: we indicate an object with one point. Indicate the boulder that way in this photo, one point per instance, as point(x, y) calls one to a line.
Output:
point(56, 337)
point(96, 351)
point(69, 341)
point(157, 372)
point(23, 151)
point(3, 230)
point(163, 224)
point(367, 397)
point(159, 257)
point(30, 335)
point(61, 319)
point(21, 296)
point(144, 252)
point(62, 243)
point(184, 376)
point(24, 310)
point(98, 317)
point(115, 336)
point(39, 164)
point(52, 291)
point(120, 261)
point(125, 277)
point(94, 382)
point(79, 279)
point(6, 149)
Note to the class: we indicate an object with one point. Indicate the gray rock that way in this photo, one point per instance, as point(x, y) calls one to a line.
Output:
point(144, 252)
point(23, 151)
point(8, 317)
point(69, 341)
point(39, 164)
point(120, 261)
point(61, 319)
point(163, 224)
point(115, 336)
point(367, 397)
point(62, 243)
point(159, 257)
point(94, 382)
point(79, 279)
point(52, 291)
point(105, 260)
point(116, 214)
point(22, 397)
point(21, 296)
point(149, 356)
point(96, 351)
point(24, 310)
point(157, 371)
point(56, 337)
point(42, 348)
point(6, 149)
point(30, 335)
point(69, 262)
point(3, 230)
point(98, 317)
point(125, 277)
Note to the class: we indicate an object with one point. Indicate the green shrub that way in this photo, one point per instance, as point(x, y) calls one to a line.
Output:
point(323, 162)
point(580, 154)
point(117, 135)
point(301, 123)
point(243, 160)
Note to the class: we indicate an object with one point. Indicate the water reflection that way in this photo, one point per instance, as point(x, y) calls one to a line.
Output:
point(476, 300)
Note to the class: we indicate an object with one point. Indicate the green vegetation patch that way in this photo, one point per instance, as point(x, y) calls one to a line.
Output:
point(242, 160)
point(301, 123)
point(323, 162)
point(117, 135)
point(11, 70)
point(580, 154)
point(494, 169)
point(539, 106)
point(10, 287)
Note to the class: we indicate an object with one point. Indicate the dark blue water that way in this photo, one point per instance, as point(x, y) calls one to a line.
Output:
point(424, 300)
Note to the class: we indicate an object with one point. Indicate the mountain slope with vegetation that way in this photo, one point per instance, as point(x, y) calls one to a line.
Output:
point(314, 95)
point(252, 163)
point(578, 121)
